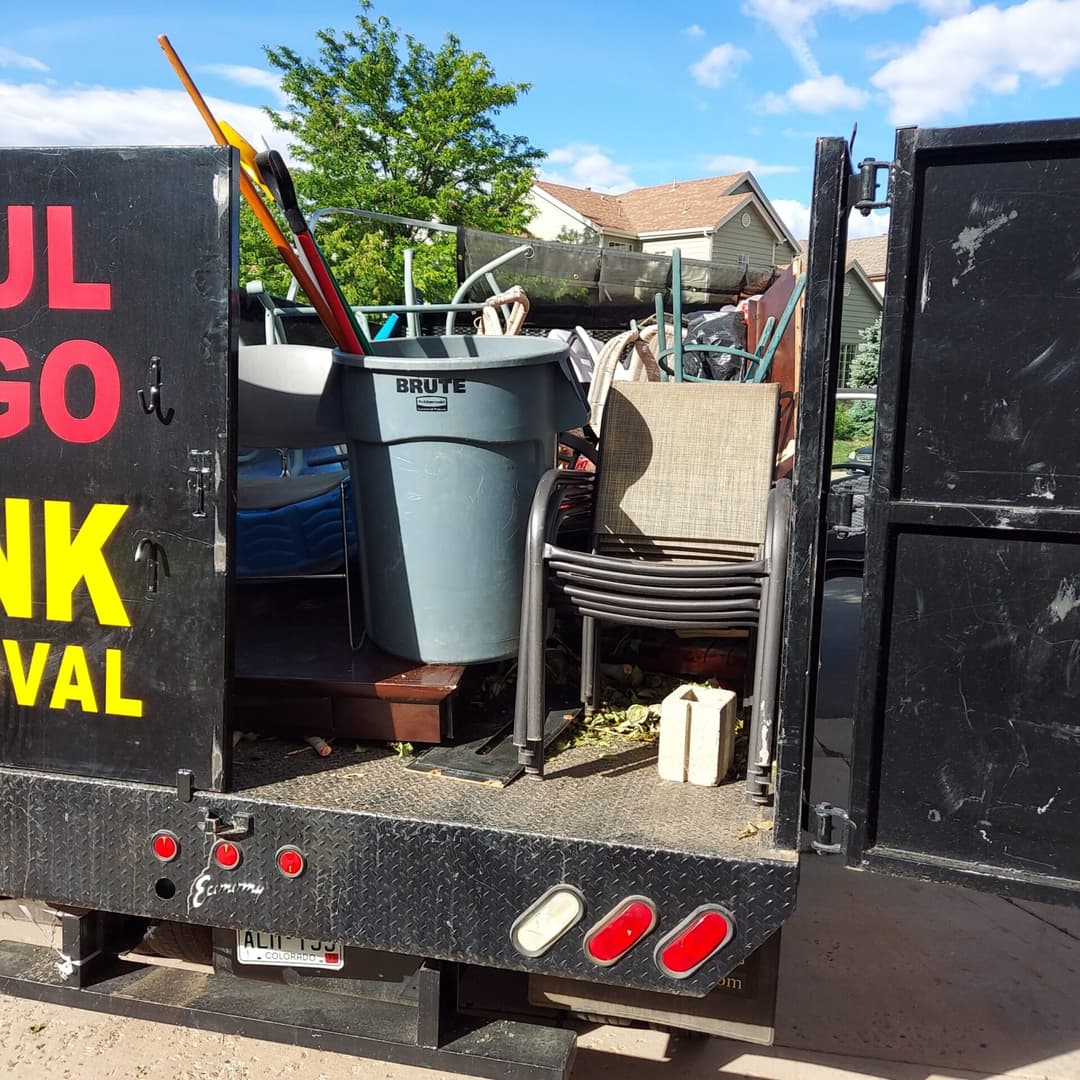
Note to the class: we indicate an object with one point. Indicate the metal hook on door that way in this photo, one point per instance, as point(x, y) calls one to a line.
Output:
point(157, 562)
point(153, 405)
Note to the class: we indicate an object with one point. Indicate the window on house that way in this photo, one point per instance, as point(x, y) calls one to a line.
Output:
point(744, 259)
point(619, 245)
point(847, 358)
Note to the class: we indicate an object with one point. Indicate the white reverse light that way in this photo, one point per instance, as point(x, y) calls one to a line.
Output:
point(560, 909)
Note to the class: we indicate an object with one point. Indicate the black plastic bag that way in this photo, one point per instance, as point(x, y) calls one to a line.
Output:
point(724, 327)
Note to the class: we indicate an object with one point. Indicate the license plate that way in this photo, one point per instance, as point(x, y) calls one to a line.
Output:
point(275, 950)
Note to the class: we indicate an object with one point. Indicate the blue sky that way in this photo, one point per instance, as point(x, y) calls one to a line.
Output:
point(624, 94)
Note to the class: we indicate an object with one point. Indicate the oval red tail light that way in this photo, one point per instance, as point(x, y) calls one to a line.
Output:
point(620, 930)
point(694, 940)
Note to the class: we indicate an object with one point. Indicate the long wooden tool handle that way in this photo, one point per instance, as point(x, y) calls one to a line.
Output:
point(254, 200)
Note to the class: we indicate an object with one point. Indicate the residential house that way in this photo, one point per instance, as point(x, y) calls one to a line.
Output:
point(862, 308)
point(870, 253)
point(723, 219)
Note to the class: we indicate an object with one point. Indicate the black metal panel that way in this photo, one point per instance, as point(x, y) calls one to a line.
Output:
point(816, 413)
point(967, 746)
point(116, 397)
point(435, 889)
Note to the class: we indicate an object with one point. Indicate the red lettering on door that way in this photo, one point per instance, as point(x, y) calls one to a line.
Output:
point(15, 288)
point(15, 395)
point(53, 391)
point(64, 290)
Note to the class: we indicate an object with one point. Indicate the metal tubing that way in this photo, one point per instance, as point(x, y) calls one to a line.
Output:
point(668, 624)
point(706, 593)
point(529, 698)
point(412, 320)
point(476, 275)
point(766, 662)
point(676, 310)
point(588, 664)
point(665, 570)
point(391, 219)
point(661, 335)
point(657, 604)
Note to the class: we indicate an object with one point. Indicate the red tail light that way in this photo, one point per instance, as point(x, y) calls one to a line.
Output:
point(227, 855)
point(620, 930)
point(165, 846)
point(694, 940)
point(290, 862)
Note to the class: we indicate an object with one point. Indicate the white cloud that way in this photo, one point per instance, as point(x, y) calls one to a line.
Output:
point(815, 96)
point(987, 50)
point(718, 65)
point(796, 216)
point(694, 31)
point(735, 163)
point(874, 224)
point(586, 165)
point(10, 58)
point(943, 9)
point(793, 20)
point(823, 95)
point(36, 114)
point(243, 75)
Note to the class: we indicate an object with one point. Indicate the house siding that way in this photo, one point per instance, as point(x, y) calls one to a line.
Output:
point(861, 308)
point(757, 240)
point(550, 220)
point(692, 247)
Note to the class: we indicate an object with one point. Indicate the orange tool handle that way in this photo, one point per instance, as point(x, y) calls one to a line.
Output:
point(254, 200)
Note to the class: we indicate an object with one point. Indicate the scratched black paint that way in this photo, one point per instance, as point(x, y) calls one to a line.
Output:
point(160, 227)
point(966, 764)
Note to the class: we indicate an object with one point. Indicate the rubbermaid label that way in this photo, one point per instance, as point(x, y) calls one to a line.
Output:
point(431, 404)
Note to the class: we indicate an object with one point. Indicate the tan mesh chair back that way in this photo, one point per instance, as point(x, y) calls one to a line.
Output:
point(685, 470)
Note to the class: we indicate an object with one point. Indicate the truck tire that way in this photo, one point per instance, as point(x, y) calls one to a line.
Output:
point(179, 941)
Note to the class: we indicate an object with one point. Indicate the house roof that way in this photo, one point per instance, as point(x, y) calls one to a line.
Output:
point(603, 210)
point(870, 252)
point(689, 204)
point(682, 206)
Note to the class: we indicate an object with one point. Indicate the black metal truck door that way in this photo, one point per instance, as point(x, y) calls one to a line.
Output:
point(833, 192)
point(117, 269)
point(966, 763)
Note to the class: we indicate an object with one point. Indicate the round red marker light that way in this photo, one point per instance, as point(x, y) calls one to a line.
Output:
point(693, 941)
point(290, 862)
point(165, 846)
point(227, 855)
point(620, 930)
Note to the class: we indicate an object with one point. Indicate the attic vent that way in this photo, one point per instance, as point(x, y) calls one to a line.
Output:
point(746, 219)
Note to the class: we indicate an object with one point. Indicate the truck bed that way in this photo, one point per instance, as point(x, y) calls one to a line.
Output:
point(604, 794)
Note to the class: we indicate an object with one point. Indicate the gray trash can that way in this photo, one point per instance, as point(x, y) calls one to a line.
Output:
point(448, 438)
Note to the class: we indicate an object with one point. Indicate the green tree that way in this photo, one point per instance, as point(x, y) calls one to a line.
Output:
point(864, 376)
point(381, 122)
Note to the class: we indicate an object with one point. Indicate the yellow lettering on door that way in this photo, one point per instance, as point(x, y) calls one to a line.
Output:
point(25, 684)
point(115, 702)
point(73, 681)
point(15, 581)
point(69, 560)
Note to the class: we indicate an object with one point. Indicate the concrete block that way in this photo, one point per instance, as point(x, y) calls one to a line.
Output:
point(697, 735)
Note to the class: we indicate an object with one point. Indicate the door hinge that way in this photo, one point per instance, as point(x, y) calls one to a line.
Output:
point(863, 185)
point(827, 814)
point(198, 471)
